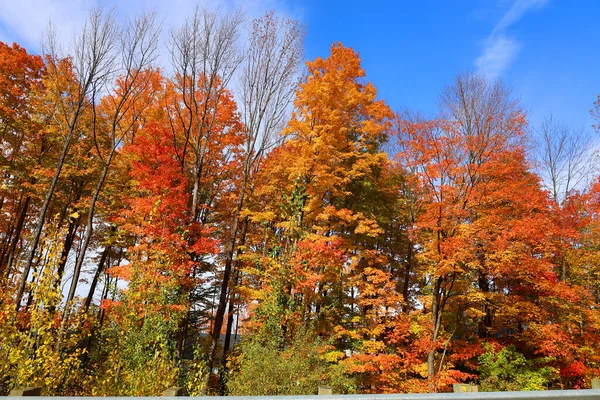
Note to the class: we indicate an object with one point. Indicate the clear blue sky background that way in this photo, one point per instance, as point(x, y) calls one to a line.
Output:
point(412, 49)
point(547, 50)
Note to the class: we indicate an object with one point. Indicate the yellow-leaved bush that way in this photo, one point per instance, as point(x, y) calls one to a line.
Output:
point(31, 351)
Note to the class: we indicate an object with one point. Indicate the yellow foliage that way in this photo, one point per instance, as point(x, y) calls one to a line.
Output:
point(31, 351)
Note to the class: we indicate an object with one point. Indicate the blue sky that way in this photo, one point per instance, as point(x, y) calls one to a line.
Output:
point(547, 50)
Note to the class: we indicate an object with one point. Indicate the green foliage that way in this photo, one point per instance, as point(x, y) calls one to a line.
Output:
point(140, 361)
point(194, 376)
point(509, 370)
point(263, 367)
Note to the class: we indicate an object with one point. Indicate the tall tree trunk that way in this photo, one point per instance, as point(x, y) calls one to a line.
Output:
point(230, 319)
point(229, 328)
point(7, 240)
point(94, 63)
point(216, 333)
point(42, 216)
point(485, 322)
point(407, 270)
point(236, 280)
point(89, 229)
point(227, 342)
point(99, 270)
point(17, 236)
point(436, 325)
point(68, 244)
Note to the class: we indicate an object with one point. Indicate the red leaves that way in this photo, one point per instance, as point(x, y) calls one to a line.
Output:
point(317, 260)
point(408, 267)
point(575, 373)
point(20, 75)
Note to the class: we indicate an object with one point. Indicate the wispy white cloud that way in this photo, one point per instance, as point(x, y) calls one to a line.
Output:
point(517, 10)
point(497, 56)
point(25, 21)
point(501, 48)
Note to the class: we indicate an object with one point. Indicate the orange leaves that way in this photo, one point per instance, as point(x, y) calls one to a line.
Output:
point(20, 75)
point(319, 201)
point(21, 121)
point(316, 266)
point(485, 230)
point(338, 126)
point(357, 221)
point(407, 268)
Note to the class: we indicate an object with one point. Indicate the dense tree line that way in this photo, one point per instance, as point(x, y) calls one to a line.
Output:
point(150, 217)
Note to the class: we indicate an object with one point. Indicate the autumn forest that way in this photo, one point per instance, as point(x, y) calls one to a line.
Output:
point(238, 220)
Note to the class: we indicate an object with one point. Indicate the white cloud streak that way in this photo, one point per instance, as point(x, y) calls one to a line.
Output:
point(500, 48)
point(25, 21)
